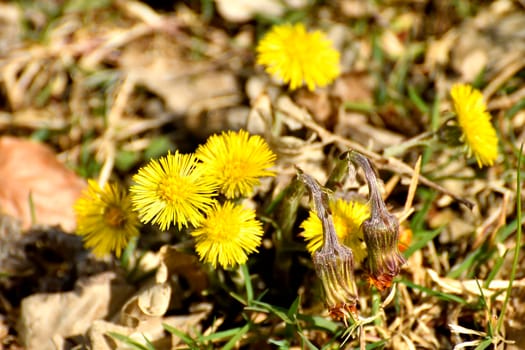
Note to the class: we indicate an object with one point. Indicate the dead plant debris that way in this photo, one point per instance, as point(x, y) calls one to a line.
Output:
point(98, 89)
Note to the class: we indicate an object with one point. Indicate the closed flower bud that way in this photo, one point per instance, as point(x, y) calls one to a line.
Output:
point(380, 231)
point(334, 263)
point(334, 266)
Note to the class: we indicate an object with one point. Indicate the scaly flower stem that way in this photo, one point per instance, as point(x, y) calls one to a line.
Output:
point(380, 231)
point(334, 263)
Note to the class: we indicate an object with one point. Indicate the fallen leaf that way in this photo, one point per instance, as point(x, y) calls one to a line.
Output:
point(46, 317)
point(149, 331)
point(245, 10)
point(32, 176)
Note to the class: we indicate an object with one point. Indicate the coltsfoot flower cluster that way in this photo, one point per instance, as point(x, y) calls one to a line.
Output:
point(341, 233)
point(183, 190)
point(198, 191)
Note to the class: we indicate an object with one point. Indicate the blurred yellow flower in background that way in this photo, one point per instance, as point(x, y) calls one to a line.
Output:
point(227, 235)
point(298, 57)
point(235, 161)
point(479, 135)
point(347, 218)
point(172, 190)
point(105, 218)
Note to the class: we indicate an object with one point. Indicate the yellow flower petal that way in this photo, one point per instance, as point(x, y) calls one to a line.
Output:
point(347, 217)
point(478, 133)
point(227, 235)
point(298, 57)
point(105, 218)
point(172, 190)
point(235, 161)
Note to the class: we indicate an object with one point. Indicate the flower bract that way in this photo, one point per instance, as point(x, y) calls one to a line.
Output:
point(228, 234)
point(334, 262)
point(347, 218)
point(235, 161)
point(380, 231)
point(478, 134)
point(105, 218)
point(172, 190)
point(298, 57)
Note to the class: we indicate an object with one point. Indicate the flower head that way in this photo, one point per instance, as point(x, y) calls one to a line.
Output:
point(478, 135)
point(172, 190)
point(105, 218)
point(235, 161)
point(347, 217)
point(227, 235)
point(334, 263)
point(380, 231)
point(298, 57)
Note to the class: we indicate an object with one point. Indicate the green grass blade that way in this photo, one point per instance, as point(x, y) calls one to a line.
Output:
point(417, 100)
point(247, 283)
point(186, 338)
point(222, 334)
point(484, 344)
point(516, 248)
point(306, 342)
point(132, 343)
point(438, 294)
point(231, 343)
point(422, 240)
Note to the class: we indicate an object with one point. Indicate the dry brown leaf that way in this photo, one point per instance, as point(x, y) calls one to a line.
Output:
point(152, 330)
point(10, 26)
point(188, 87)
point(155, 300)
point(151, 301)
point(245, 10)
point(483, 42)
point(472, 287)
point(173, 261)
point(30, 172)
point(46, 317)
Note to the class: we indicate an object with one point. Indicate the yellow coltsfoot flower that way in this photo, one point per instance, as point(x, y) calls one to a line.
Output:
point(478, 134)
point(235, 161)
point(227, 235)
point(105, 218)
point(172, 190)
point(298, 57)
point(347, 218)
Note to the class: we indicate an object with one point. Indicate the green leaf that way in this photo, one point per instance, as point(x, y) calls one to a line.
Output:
point(277, 311)
point(517, 247)
point(185, 337)
point(125, 160)
point(231, 343)
point(221, 335)
point(376, 345)
point(158, 147)
point(423, 237)
point(247, 283)
point(484, 344)
point(307, 342)
point(133, 343)
point(417, 100)
point(292, 311)
point(441, 295)
point(318, 322)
